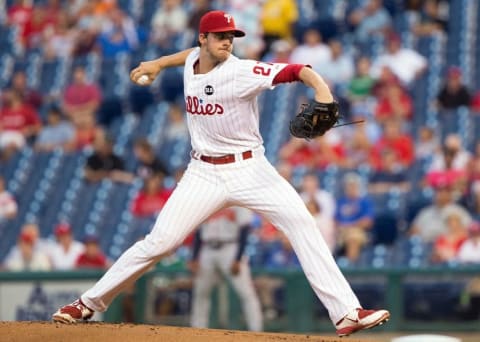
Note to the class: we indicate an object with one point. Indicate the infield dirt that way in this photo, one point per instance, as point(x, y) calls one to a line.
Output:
point(93, 332)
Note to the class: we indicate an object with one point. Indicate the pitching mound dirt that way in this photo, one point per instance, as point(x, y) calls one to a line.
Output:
point(47, 332)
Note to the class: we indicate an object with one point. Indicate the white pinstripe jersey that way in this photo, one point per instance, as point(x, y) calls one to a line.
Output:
point(221, 105)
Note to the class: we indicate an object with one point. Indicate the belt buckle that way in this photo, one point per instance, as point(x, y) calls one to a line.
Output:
point(215, 244)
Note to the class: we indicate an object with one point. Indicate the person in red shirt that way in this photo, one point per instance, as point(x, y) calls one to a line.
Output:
point(151, 199)
point(447, 245)
point(19, 116)
point(395, 103)
point(93, 257)
point(19, 123)
point(298, 152)
point(475, 105)
point(30, 96)
point(394, 139)
point(20, 14)
point(81, 98)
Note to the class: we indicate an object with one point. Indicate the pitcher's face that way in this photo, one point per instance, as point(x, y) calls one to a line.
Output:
point(218, 44)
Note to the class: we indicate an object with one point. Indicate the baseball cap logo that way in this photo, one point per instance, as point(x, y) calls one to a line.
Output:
point(228, 17)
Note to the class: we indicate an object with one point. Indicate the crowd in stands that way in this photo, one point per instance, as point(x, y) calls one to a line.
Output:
point(375, 87)
point(64, 253)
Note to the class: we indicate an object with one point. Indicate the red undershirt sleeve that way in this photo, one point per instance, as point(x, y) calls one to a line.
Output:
point(289, 74)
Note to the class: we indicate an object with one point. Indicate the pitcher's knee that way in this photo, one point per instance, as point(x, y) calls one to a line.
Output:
point(152, 248)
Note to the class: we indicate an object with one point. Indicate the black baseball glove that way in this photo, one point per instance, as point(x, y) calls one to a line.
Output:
point(314, 120)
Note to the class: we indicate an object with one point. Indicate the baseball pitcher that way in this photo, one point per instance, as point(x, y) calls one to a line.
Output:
point(228, 167)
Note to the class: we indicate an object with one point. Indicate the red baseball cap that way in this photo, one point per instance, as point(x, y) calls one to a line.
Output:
point(219, 21)
point(26, 237)
point(63, 229)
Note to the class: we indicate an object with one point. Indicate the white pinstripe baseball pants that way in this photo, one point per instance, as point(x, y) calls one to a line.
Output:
point(205, 188)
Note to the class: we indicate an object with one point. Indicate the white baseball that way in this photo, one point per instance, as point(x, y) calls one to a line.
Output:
point(142, 80)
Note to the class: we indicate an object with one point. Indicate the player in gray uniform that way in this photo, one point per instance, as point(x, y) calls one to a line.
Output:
point(219, 254)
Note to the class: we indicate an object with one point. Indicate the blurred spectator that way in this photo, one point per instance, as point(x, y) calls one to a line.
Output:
point(310, 190)
point(312, 51)
point(199, 8)
point(19, 116)
point(473, 167)
point(36, 27)
point(429, 223)
point(277, 255)
point(149, 163)
point(8, 204)
point(358, 147)
point(396, 103)
point(30, 96)
point(177, 126)
point(354, 217)
point(329, 151)
point(93, 257)
point(394, 139)
point(472, 200)
point(317, 153)
point(60, 41)
point(427, 144)
point(324, 222)
point(470, 250)
point(390, 175)
point(277, 20)
point(476, 102)
point(361, 84)
point(298, 152)
point(339, 70)
point(247, 12)
point(385, 77)
point(65, 251)
point(453, 156)
point(151, 199)
point(169, 20)
point(454, 93)
point(104, 163)
point(57, 133)
point(104, 7)
point(39, 244)
point(369, 19)
point(280, 52)
point(88, 23)
point(447, 245)
point(450, 163)
point(28, 257)
point(407, 64)
point(118, 35)
point(432, 20)
point(81, 98)
point(19, 15)
point(19, 123)
point(171, 86)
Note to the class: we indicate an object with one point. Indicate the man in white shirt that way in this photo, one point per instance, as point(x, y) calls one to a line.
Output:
point(65, 251)
point(406, 64)
point(470, 250)
point(8, 205)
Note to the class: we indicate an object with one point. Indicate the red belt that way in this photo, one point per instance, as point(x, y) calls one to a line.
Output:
point(226, 159)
